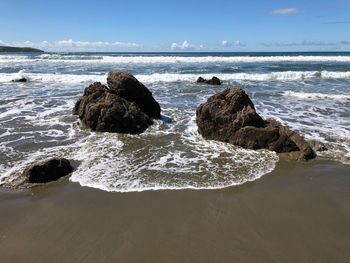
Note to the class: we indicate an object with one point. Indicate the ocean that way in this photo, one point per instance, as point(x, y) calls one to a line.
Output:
point(309, 92)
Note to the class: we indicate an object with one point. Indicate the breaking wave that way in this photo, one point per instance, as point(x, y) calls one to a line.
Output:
point(316, 96)
point(174, 77)
point(149, 59)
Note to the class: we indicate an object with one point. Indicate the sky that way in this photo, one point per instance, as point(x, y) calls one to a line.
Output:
point(155, 25)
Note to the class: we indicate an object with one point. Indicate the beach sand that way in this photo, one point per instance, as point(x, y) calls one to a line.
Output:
point(298, 213)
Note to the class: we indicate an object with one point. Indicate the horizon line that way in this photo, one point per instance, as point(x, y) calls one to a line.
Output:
point(179, 52)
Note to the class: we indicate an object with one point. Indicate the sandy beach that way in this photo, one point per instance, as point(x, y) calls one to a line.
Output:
point(298, 213)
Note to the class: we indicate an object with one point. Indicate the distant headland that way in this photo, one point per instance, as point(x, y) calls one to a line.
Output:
point(19, 49)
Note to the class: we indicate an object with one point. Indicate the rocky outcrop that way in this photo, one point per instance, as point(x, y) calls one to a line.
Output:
point(47, 171)
point(230, 116)
point(212, 81)
point(125, 106)
point(128, 87)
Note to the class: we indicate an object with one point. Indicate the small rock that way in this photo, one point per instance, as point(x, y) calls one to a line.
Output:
point(213, 81)
point(20, 80)
point(47, 171)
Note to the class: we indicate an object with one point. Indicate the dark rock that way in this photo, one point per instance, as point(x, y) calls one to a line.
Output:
point(47, 171)
point(200, 80)
point(212, 81)
point(20, 80)
point(128, 87)
point(103, 111)
point(230, 116)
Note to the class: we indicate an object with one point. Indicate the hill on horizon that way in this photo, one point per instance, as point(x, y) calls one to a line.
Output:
point(19, 49)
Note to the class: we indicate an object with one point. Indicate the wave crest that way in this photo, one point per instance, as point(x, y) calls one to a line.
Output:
point(146, 59)
point(175, 77)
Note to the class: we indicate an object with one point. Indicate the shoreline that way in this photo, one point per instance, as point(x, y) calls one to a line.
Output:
point(300, 212)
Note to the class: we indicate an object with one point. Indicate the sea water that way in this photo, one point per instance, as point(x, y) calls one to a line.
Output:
point(309, 92)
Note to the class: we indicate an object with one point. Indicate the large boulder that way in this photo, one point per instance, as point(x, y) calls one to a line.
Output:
point(128, 87)
point(230, 116)
point(47, 171)
point(213, 81)
point(104, 111)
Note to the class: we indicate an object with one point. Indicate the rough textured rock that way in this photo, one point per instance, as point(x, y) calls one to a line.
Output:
point(47, 171)
point(128, 87)
point(212, 81)
point(103, 111)
point(230, 116)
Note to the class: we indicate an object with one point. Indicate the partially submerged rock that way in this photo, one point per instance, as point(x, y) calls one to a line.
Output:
point(128, 87)
point(20, 80)
point(213, 81)
point(38, 173)
point(125, 106)
point(48, 171)
point(103, 111)
point(230, 116)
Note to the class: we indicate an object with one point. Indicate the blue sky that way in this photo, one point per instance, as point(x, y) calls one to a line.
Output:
point(221, 25)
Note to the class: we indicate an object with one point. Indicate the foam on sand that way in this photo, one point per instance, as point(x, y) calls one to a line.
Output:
point(112, 166)
point(127, 163)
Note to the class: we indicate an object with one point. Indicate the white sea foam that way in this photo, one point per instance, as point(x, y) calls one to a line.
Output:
point(143, 59)
point(316, 96)
point(109, 165)
point(126, 163)
point(174, 77)
point(317, 116)
point(273, 76)
point(68, 57)
point(12, 58)
point(51, 78)
point(220, 59)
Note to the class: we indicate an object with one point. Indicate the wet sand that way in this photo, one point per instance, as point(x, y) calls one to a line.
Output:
point(298, 213)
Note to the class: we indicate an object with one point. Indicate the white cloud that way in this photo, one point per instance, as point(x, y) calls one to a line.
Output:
point(72, 45)
point(286, 11)
point(235, 43)
point(184, 46)
point(94, 45)
point(224, 43)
